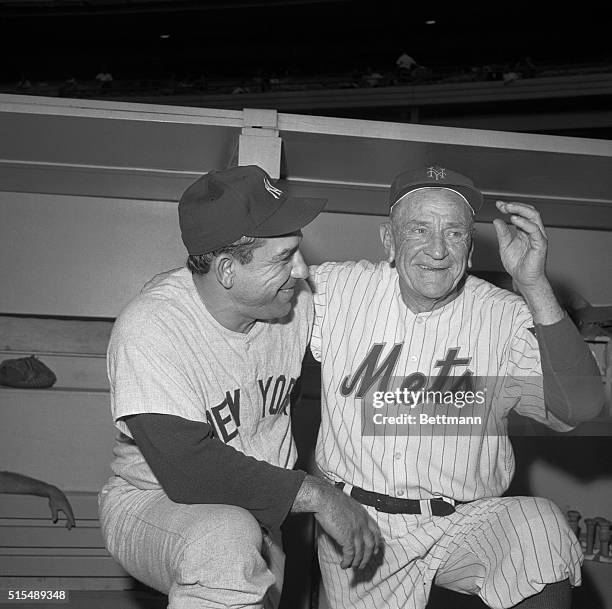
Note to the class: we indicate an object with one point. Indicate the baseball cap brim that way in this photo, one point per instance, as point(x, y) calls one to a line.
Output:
point(293, 214)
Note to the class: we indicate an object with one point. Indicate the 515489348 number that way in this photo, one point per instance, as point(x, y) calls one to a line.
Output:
point(27, 596)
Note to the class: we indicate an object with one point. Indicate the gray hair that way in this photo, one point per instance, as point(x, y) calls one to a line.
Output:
point(242, 250)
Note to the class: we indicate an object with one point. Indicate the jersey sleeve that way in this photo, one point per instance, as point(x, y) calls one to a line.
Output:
point(145, 377)
point(319, 276)
point(524, 383)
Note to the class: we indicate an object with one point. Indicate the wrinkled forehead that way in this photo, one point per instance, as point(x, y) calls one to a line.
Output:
point(426, 201)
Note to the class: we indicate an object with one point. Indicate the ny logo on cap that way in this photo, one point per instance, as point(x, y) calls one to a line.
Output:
point(277, 193)
point(439, 173)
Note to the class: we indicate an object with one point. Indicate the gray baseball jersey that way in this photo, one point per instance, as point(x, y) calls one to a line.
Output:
point(168, 355)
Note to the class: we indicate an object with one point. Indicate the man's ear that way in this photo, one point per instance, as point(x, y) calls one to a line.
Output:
point(224, 268)
point(388, 241)
point(469, 260)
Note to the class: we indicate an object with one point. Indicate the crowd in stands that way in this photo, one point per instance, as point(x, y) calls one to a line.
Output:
point(407, 71)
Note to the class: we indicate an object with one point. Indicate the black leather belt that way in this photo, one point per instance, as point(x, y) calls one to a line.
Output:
point(395, 505)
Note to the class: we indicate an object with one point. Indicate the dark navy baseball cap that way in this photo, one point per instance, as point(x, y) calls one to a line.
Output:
point(435, 176)
point(223, 206)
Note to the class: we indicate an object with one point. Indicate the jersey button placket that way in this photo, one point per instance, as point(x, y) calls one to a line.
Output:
point(419, 329)
point(398, 466)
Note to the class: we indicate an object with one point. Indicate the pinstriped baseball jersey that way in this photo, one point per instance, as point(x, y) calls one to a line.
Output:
point(502, 549)
point(364, 334)
point(167, 354)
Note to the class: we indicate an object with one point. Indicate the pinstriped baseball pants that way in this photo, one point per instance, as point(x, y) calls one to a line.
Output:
point(501, 549)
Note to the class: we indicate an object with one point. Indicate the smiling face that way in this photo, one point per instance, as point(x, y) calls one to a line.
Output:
point(429, 238)
point(265, 287)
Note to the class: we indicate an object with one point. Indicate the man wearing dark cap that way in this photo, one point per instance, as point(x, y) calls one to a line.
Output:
point(201, 365)
point(421, 365)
